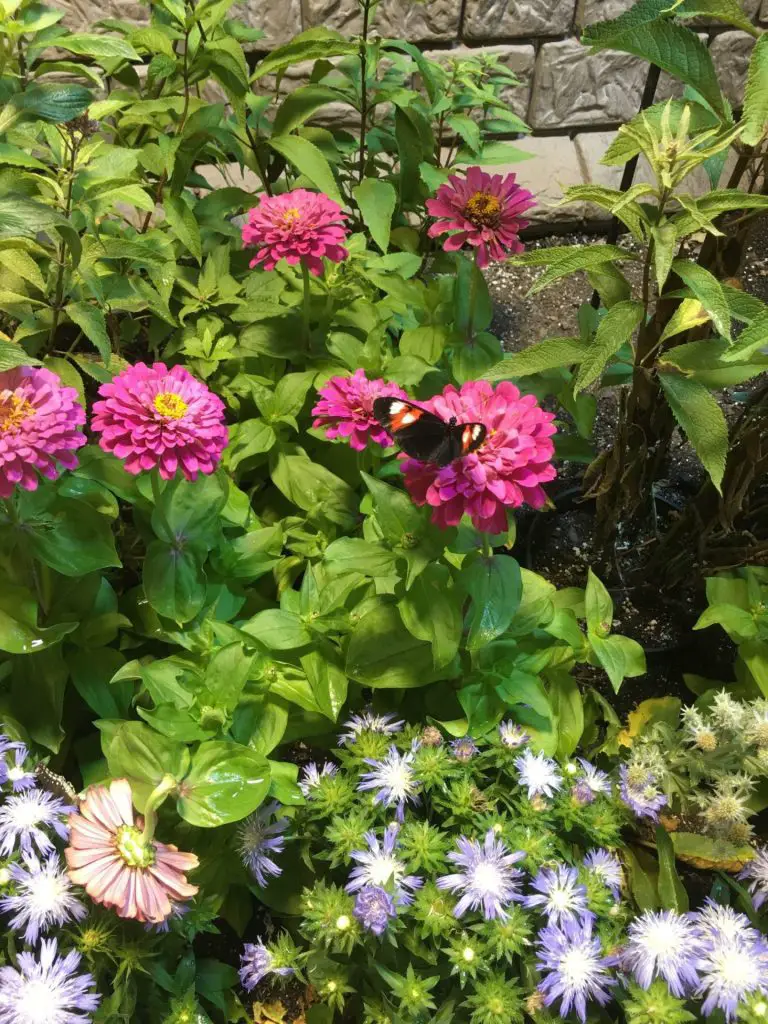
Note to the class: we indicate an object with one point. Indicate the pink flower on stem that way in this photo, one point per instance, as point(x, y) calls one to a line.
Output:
point(484, 210)
point(109, 856)
point(152, 416)
point(505, 471)
point(40, 426)
point(345, 409)
point(298, 226)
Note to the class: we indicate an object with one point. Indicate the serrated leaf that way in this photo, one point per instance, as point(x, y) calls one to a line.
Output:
point(14, 355)
point(22, 264)
point(602, 33)
point(753, 339)
point(702, 419)
point(664, 244)
point(616, 328)
point(542, 355)
point(92, 45)
point(50, 102)
point(90, 320)
point(377, 200)
point(626, 143)
point(690, 313)
point(300, 105)
point(728, 11)
point(708, 291)
point(182, 220)
point(755, 114)
point(562, 260)
point(309, 161)
point(16, 157)
point(313, 44)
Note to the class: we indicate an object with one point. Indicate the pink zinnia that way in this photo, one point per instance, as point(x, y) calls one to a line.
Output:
point(108, 856)
point(40, 423)
point(152, 416)
point(505, 471)
point(485, 210)
point(345, 409)
point(300, 227)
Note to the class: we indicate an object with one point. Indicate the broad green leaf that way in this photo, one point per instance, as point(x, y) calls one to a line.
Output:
point(495, 588)
point(91, 671)
point(226, 782)
point(690, 313)
point(182, 220)
point(383, 653)
point(50, 102)
point(278, 630)
point(738, 623)
point(708, 854)
point(754, 117)
point(427, 342)
point(704, 361)
point(400, 520)
point(568, 710)
point(314, 44)
point(377, 200)
point(37, 696)
point(708, 291)
point(542, 355)
point(309, 161)
point(269, 725)
point(136, 752)
point(562, 260)
point(90, 319)
point(300, 105)
point(19, 632)
point(327, 679)
point(315, 489)
point(664, 246)
point(17, 157)
point(91, 45)
point(190, 509)
point(353, 554)
point(752, 340)
point(73, 538)
point(226, 675)
point(642, 881)
point(598, 606)
point(174, 580)
point(620, 656)
point(702, 419)
point(14, 355)
point(21, 263)
point(602, 33)
point(431, 611)
point(728, 11)
point(249, 438)
point(614, 330)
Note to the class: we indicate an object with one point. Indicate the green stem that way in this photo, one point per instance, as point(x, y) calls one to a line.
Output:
point(157, 497)
point(363, 89)
point(487, 549)
point(165, 787)
point(472, 302)
point(306, 304)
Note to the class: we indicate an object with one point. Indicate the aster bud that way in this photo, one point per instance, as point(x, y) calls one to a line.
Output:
point(431, 736)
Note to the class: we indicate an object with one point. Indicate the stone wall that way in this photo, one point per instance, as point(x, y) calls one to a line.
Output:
point(571, 99)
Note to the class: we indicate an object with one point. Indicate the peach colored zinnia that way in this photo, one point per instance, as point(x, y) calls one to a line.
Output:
point(299, 227)
point(151, 416)
point(118, 868)
point(482, 210)
point(40, 425)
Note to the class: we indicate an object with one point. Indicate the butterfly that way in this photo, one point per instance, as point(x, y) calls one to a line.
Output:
point(55, 784)
point(425, 436)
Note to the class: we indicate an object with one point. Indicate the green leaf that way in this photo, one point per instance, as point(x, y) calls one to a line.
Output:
point(568, 709)
point(91, 671)
point(227, 674)
point(383, 653)
point(37, 696)
point(410, 150)
point(54, 103)
point(327, 679)
point(97, 46)
point(598, 605)
point(352, 554)
point(562, 260)
point(431, 611)
point(249, 438)
point(314, 44)
point(753, 339)
point(14, 355)
point(377, 200)
point(427, 342)
point(740, 625)
point(73, 538)
point(620, 656)
point(708, 291)
point(702, 419)
point(22, 264)
point(495, 588)
point(269, 726)
point(728, 11)
point(174, 580)
point(400, 520)
point(542, 355)
point(309, 161)
point(138, 753)
point(614, 330)
point(182, 220)
point(300, 105)
point(90, 320)
point(601, 34)
point(642, 883)
point(277, 629)
point(316, 490)
point(466, 129)
point(225, 783)
point(754, 117)
point(17, 157)
point(190, 510)
point(664, 246)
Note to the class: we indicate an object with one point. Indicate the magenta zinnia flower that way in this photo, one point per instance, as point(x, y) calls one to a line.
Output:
point(298, 226)
point(484, 210)
point(346, 409)
point(40, 423)
point(109, 856)
point(505, 471)
point(152, 416)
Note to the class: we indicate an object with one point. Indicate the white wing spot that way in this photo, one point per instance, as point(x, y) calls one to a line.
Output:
point(397, 407)
point(407, 418)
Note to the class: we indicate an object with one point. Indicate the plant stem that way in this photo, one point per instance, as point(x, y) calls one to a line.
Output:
point(487, 549)
point(59, 290)
point(472, 301)
point(166, 786)
point(157, 497)
point(363, 88)
point(306, 304)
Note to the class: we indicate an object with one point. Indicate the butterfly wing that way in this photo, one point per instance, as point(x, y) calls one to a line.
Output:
point(425, 436)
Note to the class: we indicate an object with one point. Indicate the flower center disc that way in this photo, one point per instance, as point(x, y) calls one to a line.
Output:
point(290, 216)
point(483, 210)
point(132, 848)
point(13, 411)
point(170, 405)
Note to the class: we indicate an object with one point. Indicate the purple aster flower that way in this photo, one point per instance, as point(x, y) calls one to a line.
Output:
point(259, 838)
point(42, 898)
point(559, 895)
point(512, 735)
point(716, 923)
point(574, 968)
point(46, 988)
point(369, 721)
point(395, 780)
point(643, 796)
point(756, 872)
point(489, 881)
point(464, 748)
point(17, 774)
point(256, 962)
point(607, 867)
point(539, 773)
point(23, 817)
point(595, 780)
point(663, 945)
point(311, 776)
point(378, 866)
point(374, 907)
point(730, 971)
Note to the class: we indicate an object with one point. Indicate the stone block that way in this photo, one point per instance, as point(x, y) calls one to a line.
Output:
point(401, 19)
point(763, 12)
point(80, 15)
point(280, 22)
point(731, 52)
point(520, 59)
point(516, 19)
point(553, 168)
point(573, 87)
point(590, 11)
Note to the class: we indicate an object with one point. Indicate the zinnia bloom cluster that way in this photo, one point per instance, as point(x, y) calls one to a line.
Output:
point(151, 417)
point(482, 210)
point(40, 427)
point(299, 227)
point(109, 856)
point(510, 466)
point(345, 409)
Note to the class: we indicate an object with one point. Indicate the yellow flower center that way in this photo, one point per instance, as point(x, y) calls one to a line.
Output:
point(291, 215)
point(483, 210)
point(13, 411)
point(170, 405)
point(132, 848)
